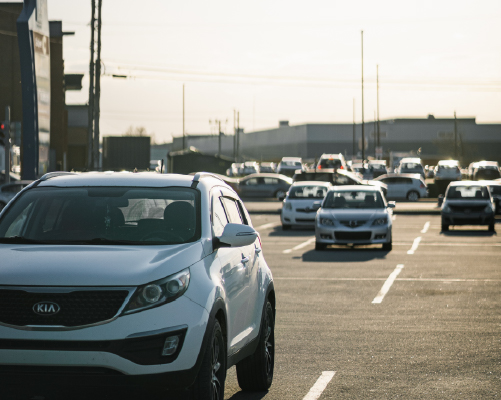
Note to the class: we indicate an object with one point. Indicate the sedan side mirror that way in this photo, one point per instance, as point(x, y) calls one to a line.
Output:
point(392, 204)
point(237, 235)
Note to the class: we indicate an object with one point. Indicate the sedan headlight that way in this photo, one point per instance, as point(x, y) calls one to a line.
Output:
point(160, 292)
point(446, 209)
point(326, 221)
point(380, 221)
point(287, 206)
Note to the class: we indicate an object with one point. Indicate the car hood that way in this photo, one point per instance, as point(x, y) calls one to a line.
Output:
point(354, 214)
point(69, 265)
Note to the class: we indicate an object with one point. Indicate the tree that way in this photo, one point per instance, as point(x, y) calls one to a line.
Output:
point(136, 131)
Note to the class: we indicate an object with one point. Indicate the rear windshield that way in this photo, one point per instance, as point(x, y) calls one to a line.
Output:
point(330, 163)
point(290, 164)
point(467, 192)
point(412, 166)
point(353, 199)
point(103, 215)
point(307, 192)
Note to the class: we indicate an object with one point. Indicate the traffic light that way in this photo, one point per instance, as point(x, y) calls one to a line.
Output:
point(3, 138)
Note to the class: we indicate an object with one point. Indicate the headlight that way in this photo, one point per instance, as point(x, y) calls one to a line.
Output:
point(326, 221)
point(488, 209)
point(446, 209)
point(287, 206)
point(155, 294)
point(380, 221)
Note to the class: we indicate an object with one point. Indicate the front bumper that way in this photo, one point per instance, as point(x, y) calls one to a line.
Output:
point(291, 217)
point(361, 235)
point(467, 219)
point(129, 345)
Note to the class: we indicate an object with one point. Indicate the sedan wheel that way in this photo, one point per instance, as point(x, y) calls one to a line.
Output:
point(413, 196)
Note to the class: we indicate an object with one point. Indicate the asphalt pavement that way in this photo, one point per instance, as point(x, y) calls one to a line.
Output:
point(420, 322)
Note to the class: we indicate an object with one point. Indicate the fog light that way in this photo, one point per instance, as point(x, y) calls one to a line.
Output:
point(323, 236)
point(380, 236)
point(170, 345)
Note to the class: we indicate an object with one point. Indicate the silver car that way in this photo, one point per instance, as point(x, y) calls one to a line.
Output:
point(354, 215)
point(404, 186)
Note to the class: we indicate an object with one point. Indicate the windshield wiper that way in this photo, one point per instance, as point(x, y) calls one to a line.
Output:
point(20, 240)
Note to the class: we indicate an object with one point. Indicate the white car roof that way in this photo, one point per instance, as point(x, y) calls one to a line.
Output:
point(358, 188)
point(468, 183)
point(311, 183)
point(448, 162)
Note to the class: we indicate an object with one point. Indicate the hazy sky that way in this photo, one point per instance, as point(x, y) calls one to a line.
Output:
point(286, 60)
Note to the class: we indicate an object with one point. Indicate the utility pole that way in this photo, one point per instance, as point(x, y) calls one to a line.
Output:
point(354, 136)
point(363, 128)
point(90, 128)
point(7, 143)
point(219, 143)
point(98, 88)
point(375, 135)
point(234, 135)
point(455, 137)
point(184, 134)
point(238, 135)
point(378, 125)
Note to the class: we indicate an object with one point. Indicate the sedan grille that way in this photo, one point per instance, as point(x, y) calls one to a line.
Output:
point(353, 235)
point(76, 308)
point(353, 223)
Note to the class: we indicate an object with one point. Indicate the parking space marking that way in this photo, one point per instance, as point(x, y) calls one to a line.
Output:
point(320, 385)
point(414, 245)
point(426, 227)
point(393, 217)
point(387, 285)
point(300, 246)
point(292, 278)
point(267, 226)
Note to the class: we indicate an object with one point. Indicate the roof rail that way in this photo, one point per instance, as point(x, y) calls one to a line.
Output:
point(200, 175)
point(49, 175)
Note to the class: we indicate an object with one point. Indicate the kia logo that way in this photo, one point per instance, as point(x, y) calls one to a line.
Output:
point(46, 308)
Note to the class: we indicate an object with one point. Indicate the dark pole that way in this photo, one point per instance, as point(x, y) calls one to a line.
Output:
point(354, 134)
point(219, 143)
point(378, 125)
point(234, 135)
point(98, 88)
point(455, 137)
point(238, 134)
point(184, 134)
point(7, 132)
point(363, 128)
point(92, 66)
point(375, 135)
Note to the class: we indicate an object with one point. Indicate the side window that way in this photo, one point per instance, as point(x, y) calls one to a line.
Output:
point(407, 181)
point(270, 181)
point(251, 182)
point(245, 216)
point(232, 209)
point(219, 219)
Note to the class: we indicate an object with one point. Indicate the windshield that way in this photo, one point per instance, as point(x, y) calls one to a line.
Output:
point(305, 192)
point(467, 192)
point(353, 199)
point(103, 215)
point(412, 166)
point(290, 164)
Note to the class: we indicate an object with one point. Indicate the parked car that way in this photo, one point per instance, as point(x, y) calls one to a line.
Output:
point(471, 169)
point(289, 165)
point(429, 171)
point(495, 189)
point(9, 190)
point(156, 281)
point(302, 202)
point(236, 169)
point(468, 203)
point(268, 167)
point(331, 161)
point(410, 165)
point(250, 167)
point(486, 170)
point(404, 186)
point(264, 185)
point(337, 177)
point(354, 215)
point(377, 168)
point(448, 170)
point(359, 169)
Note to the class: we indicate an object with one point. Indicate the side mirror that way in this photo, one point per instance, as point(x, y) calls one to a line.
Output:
point(440, 200)
point(392, 204)
point(237, 235)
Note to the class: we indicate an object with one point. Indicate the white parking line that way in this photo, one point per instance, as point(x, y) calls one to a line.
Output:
point(414, 245)
point(299, 278)
point(267, 226)
point(394, 217)
point(320, 385)
point(387, 285)
point(426, 227)
point(300, 246)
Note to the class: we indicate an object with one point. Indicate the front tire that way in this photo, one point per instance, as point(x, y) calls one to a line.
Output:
point(286, 227)
point(492, 227)
point(212, 375)
point(255, 373)
point(413, 196)
point(445, 227)
point(320, 246)
point(280, 195)
point(387, 246)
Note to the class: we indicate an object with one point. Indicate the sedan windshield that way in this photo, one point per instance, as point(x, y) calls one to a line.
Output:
point(353, 199)
point(103, 215)
point(468, 192)
point(305, 192)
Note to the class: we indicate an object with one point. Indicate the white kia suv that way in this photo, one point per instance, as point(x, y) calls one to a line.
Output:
point(133, 280)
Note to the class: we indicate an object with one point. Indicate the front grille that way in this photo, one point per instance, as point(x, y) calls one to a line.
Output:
point(353, 223)
point(305, 219)
point(306, 210)
point(353, 235)
point(467, 209)
point(79, 307)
